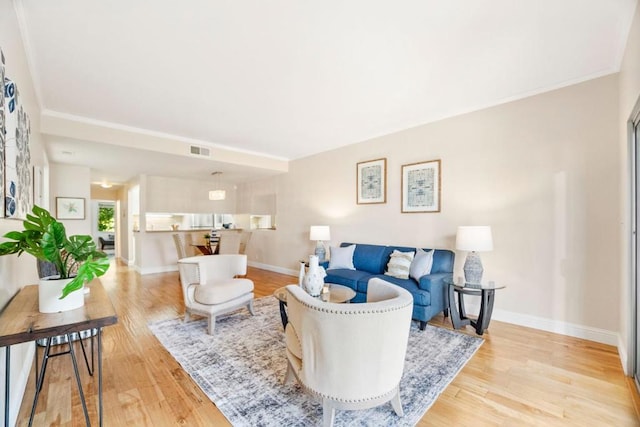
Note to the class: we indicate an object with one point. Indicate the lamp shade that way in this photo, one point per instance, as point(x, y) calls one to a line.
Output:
point(319, 232)
point(217, 194)
point(474, 238)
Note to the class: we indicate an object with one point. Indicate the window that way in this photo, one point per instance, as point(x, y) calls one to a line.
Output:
point(106, 219)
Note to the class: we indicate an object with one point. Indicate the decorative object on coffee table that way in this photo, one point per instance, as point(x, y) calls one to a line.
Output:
point(314, 278)
point(321, 234)
point(474, 239)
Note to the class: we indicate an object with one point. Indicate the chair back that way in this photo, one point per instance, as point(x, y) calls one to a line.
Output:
point(180, 248)
point(229, 243)
point(245, 238)
point(351, 352)
point(198, 270)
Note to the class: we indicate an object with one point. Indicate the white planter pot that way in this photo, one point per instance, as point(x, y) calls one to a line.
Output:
point(49, 292)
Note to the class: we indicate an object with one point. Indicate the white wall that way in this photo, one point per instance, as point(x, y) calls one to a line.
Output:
point(629, 90)
point(72, 181)
point(15, 272)
point(542, 172)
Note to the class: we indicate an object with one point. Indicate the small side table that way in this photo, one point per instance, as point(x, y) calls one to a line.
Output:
point(337, 294)
point(486, 291)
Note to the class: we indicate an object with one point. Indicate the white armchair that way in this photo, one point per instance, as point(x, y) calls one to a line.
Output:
point(210, 287)
point(349, 355)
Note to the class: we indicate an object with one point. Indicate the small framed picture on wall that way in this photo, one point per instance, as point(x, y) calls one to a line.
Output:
point(421, 187)
point(371, 182)
point(69, 208)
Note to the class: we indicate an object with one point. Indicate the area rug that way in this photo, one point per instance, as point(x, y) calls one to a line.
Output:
point(241, 369)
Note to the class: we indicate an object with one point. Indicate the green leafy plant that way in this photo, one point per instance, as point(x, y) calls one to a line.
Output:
point(46, 239)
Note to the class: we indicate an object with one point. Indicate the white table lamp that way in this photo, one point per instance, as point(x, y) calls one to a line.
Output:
point(474, 239)
point(320, 233)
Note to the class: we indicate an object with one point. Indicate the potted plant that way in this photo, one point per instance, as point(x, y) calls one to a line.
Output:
point(76, 259)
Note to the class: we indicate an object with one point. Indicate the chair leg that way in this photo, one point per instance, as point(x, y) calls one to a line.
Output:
point(397, 405)
point(250, 307)
point(328, 413)
point(289, 375)
point(187, 316)
point(211, 325)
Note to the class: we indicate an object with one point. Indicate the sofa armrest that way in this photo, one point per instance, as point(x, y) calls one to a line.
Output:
point(435, 285)
point(430, 281)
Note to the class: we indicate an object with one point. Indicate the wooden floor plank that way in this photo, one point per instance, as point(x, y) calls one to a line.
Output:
point(519, 376)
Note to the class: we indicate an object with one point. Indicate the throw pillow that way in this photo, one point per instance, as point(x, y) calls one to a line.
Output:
point(421, 264)
point(341, 257)
point(399, 264)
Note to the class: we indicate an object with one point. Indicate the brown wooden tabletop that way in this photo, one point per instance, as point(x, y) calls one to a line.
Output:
point(20, 320)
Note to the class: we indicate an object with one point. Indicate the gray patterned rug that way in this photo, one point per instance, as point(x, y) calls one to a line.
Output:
point(242, 366)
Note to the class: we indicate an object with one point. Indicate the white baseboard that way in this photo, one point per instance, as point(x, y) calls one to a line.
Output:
point(273, 268)
point(556, 326)
point(154, 270)
point(624, 355)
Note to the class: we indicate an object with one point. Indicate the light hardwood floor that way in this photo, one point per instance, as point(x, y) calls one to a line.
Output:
point(518, 377)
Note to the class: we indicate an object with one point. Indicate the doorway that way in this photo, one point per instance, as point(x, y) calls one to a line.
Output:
point(634, 145)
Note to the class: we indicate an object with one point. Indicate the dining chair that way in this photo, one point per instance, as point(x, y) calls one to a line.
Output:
point(229, 243)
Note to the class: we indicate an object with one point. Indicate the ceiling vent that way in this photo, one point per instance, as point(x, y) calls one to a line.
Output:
point(200, 151)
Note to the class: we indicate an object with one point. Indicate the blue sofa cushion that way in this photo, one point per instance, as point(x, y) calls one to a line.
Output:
point(370, 258)
point(420, 296)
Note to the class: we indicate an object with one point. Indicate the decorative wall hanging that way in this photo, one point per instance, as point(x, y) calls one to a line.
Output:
point(17, 156)
point(69, 208)
point(2, 131)
point(372, 182)
point(421, 187)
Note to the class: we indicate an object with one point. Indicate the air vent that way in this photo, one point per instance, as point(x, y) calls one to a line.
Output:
point(200, 151)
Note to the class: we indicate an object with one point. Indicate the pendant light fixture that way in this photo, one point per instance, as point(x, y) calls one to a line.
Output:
point(217, 194)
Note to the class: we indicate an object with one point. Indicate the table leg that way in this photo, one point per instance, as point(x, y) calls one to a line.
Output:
point(7, 373)
point(99, 375)
point(75, 368)
point(455, 315)
point(43, 369)
point(486, 308)
point(283, 314)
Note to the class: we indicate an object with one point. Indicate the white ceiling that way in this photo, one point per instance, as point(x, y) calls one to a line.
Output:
point(291, 78)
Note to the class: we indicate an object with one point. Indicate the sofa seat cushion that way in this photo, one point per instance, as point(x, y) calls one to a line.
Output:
point(222, 291)
point(346, 277)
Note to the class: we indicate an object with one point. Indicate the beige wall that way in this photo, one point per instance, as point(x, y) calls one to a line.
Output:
point(542, 172)
point(629, 90)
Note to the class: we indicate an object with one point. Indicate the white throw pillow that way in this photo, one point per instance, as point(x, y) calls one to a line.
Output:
point(421, 264)
point(341, 257)
point(399, 264)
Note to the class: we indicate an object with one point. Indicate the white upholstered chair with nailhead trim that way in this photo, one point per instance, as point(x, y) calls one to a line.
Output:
point(349, 355)
point(210, 286)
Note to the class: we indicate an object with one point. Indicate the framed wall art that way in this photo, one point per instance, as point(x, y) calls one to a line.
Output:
point(421, 187)
point(371, 184)
point(69, 208)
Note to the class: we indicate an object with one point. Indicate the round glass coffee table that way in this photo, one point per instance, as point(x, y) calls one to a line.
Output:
point(336, 294)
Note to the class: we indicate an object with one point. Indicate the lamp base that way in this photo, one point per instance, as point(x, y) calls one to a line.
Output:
point(473, 268)
point(320, 251)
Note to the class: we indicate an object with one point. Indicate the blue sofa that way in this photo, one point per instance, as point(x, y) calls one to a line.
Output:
point(429, 294)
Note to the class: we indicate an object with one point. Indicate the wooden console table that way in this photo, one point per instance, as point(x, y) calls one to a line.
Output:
point(20, 321)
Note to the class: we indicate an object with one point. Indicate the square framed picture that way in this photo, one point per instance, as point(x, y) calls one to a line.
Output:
point(69, 208)
point(371, 184)
point(421, 187)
